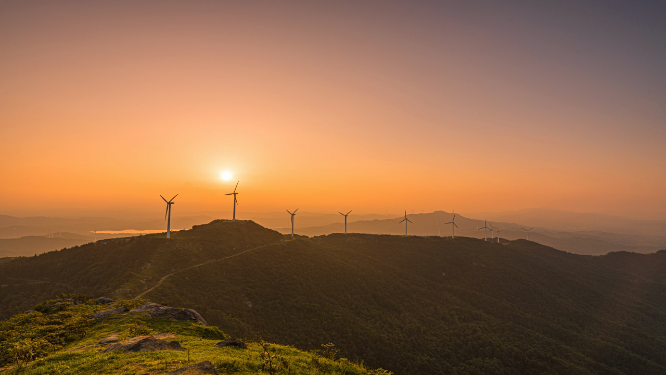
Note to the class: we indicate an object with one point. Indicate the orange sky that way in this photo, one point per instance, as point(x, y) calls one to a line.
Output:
point(376, 107)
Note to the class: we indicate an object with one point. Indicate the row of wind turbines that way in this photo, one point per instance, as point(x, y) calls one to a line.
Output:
point(167, 217)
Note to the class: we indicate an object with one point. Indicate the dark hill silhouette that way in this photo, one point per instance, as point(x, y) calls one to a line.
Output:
point(413, 305)
point(432, 224)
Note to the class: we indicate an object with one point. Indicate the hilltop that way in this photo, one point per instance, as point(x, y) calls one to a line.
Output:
point(413, 305)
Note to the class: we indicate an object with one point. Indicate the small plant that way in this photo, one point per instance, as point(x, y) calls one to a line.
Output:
point(272, 362)
point(329, 351)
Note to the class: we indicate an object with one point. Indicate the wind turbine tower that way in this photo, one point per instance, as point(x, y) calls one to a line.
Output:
point(453, 226)
point(235, 200)
point(292, 221)
point(406, 220)
point(345, 215)
point(492, 231)
point(528, 232)
point(167, 214)
point(498, 232)
point(485, 226)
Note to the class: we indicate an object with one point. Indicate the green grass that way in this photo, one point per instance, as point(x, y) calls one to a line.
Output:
point(72, 337)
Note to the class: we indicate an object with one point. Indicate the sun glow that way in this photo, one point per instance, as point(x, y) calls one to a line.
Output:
point(226, 176)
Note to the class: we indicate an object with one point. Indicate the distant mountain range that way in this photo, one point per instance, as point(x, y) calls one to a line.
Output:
point(568, 231)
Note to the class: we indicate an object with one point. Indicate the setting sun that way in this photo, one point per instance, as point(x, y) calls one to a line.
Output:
point(226, 176)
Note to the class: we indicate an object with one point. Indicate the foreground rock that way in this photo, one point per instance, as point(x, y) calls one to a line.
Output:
point(200, 368)
point(231, 342)
point(105, 313)
point(108, 340)
point(154, 310)
point(104, 300)
point(143, 344)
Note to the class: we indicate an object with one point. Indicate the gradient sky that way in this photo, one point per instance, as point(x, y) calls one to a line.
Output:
point(376, 106)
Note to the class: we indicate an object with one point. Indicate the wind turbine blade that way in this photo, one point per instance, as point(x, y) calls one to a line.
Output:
point(167, 211)
point(455, 225)
point(410, 221)
point(295, 211)
point(341, 213)
point(401, 221)
point(174, 197)
point(349, 212)
point(289, 212)
point(163, 198)
point(236, 186)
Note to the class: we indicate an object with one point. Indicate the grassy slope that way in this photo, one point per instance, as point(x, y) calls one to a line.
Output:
point(416, 305)
point(77, 354)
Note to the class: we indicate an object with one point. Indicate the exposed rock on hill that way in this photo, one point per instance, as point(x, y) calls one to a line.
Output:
point(152, 310)
point(143, 344)
point(231, 342)
point(105, 313)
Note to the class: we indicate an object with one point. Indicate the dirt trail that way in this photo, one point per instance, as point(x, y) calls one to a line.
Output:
point(198, 265)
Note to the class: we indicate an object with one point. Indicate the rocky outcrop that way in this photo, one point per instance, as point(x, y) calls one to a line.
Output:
point(104, 300)
point(231, 342)
point(108, 340)
point(154, 310)
point(143, 344)
point(201, 368)
point(105, 313)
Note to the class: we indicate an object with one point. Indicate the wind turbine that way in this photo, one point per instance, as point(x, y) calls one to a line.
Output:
point(485, 226)
point(528, 232)
point(492, 232)
point(168, 214)
point(292, 221)
point(406, 220)
point(235, 201)
point(498, 232)
point(453, 226)
point(345, 215)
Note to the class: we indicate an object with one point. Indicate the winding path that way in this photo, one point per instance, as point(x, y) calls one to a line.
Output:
point(198, 265)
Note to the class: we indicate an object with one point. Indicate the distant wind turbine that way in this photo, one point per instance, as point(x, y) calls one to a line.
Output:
point(498, 232)
point(453, 226)
point(235, 200)
point(528, 232)
point(292, 221)
point(345, 215)
point(492, 231)
point(406, 220)
point(485, 226)
point(167, 214)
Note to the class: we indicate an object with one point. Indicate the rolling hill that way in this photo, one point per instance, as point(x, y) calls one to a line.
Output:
point(412, 305)
point(586, 242)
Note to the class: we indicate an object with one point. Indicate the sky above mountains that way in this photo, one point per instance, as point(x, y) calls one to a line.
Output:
point(376, 106)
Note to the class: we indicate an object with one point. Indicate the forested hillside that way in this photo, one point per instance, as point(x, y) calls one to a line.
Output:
point(413, 305)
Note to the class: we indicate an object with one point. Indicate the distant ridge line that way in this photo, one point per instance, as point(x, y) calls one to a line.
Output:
point(198, 265)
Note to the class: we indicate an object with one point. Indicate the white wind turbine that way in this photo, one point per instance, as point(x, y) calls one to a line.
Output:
point(167, 214)
point(453, 226)
point(235, 200)
point(345, 215)
point(406, 220)
point(528, 232)
point(292, 221)
point(492, 231)
point(485, 226)
point(498, 232)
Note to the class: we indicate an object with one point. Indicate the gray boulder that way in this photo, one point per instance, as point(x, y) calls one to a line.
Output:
point(201, 368)
point(105, 313)
point(231, 342)
point(154, 310)
point(108, 340)
point(143, 344)
point(104, 300)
